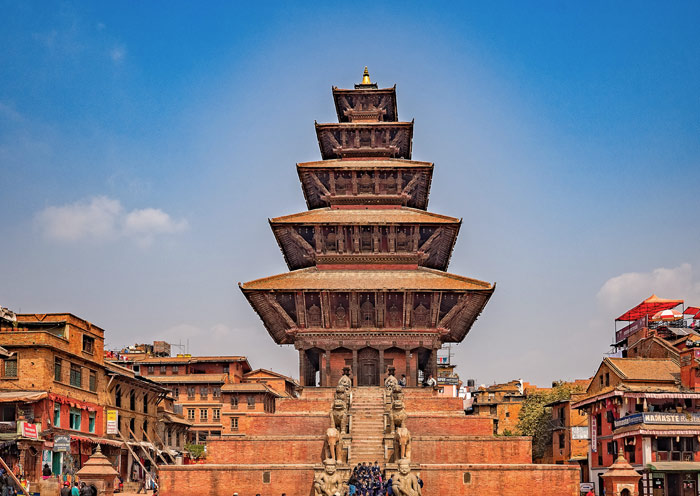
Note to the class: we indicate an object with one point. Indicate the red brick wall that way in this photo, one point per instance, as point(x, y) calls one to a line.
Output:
point(458, 449)
point(246, 480)
point(430, 425)
point(432, 404)
point(266, 449)
point(303, 405)
point(289, 424)
point(501, 480)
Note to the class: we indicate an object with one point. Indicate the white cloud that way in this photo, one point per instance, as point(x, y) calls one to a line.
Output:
point(102, 218)
point(117, 53)
point(622, 292)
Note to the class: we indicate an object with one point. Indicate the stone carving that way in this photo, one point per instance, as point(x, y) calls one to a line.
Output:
point(345, 380)
point(343, 395)
point(391, 380)
point(397, 393)
point(402, 443)
point(406, 483)
point(398, 414)
point(339, 415)
point(333, 444)
point(329, 481)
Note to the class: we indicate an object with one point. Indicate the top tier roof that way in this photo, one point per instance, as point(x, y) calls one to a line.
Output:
point(366, 103)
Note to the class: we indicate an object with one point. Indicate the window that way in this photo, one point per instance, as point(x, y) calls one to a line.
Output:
point(91, 421)
point(75, 419)
point(57, 415)
point(234, 423)
point(76, 376)
point(176, 369)
point(216, 392)
point(598, 424)
point(151, 370)
point(607, 378)
point(493, 409)
point(163, 369)
point(118, 396)
point(266, 477)
point(176, 392)
point(612, 448)
point(507, 414)
point(93, 381)
point(145, 403)
point(251, 401)
point(57, 369)
point(203, 414)
point(88, 344)
point(190, 393)
point(216, 414)
point(132, 400)
point(561, 441)
point(602, 380)
point(11, 366)
point(234, 401)
point(145, 430)
point(203, 392)
point(190, 414)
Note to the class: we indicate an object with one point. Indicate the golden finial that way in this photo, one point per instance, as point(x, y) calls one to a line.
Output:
point(365, 77)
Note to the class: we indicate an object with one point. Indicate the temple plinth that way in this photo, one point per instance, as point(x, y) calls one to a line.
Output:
point(368, 287)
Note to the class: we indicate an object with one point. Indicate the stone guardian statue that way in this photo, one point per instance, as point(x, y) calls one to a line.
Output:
point(405, 483)
point(329, 481)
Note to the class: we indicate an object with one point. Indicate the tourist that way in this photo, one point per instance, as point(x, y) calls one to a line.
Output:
point(65, 490)
point(75, 491)
point(431, 381)
point(402, 381)
point(352, 483)
point(46, 472)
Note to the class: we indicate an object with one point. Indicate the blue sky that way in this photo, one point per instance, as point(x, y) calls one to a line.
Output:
point(143, 145)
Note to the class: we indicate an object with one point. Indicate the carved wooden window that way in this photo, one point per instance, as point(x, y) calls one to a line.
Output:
point(402, 239)
point(340, 309)
point(421, 309)
point(388, 184)
point(313, 309)
point(342, 184)
point(365, 183)
point(331, 240)
point(394, 310)
point(366, 239)
point(367, 312)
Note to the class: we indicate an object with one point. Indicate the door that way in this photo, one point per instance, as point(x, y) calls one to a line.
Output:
point(689, 486)
point(673, 485)
point(368, 361)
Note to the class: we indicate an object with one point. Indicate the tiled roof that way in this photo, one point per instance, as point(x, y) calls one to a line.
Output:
point(391, 163)
point(249, 387)
point(365, 216)
point(269, 373)
point(420, 279)
point(645, 369)
point(191, 378)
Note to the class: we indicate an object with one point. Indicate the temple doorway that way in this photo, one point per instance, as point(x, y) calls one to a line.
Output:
point(368, 364)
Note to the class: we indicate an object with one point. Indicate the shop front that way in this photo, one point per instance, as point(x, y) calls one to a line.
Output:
point(673, 478)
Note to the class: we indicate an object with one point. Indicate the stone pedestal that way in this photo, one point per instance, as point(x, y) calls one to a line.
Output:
point(621, 479)
point(98, 471)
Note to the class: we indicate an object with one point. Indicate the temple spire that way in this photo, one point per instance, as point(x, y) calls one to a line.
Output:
point(365, 77)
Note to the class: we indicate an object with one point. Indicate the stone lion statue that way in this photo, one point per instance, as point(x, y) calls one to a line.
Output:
point(391, 381)
point(398, 414)
point(405, 483)
point(339, 415)
point(342, 394)
point(328, 482)
point(397, 393)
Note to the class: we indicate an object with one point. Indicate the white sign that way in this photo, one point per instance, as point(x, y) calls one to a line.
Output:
point(594, 427)
point(112, 422)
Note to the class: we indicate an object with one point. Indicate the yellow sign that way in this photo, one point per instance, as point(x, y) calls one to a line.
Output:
point(112, 422)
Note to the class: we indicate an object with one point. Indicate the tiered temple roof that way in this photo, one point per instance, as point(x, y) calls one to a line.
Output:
point(367, 261)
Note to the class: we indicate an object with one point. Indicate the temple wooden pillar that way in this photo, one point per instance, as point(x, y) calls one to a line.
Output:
point(409, 378)
point(328, 368)
point(302, 368)
point(354, 367)
point(381, 367)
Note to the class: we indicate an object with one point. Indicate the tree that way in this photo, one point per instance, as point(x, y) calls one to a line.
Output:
point(535, 419)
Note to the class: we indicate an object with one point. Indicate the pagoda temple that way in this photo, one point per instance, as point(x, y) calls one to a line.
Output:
point(367, 287)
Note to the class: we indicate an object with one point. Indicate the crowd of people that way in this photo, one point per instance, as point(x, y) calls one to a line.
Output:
point(366, 480)
point(7, 487)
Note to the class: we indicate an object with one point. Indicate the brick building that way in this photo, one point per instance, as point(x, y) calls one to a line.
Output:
point(57, 383)
point(502, 403)
point(570, 439)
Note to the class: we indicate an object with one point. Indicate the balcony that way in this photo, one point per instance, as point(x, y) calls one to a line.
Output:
point(659, 418)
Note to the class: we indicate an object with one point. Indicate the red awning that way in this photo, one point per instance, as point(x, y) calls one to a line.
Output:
point(649, 306)
point(691, 311)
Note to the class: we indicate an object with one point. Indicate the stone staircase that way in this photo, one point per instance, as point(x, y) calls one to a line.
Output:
point(367, 428)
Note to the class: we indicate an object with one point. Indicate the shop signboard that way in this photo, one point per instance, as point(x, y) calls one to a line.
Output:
point(61, 443)
point(112, 422)
point(594, 431)
point(30, 430)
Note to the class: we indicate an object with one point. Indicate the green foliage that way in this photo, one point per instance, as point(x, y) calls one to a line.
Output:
point(535, 419)
point(196, 451)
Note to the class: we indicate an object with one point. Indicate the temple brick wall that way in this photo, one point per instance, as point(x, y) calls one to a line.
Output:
point(288, 423)
point(224, 480)
point(448, 425)
point(472, 449)
point(266, 449)
point(432, 404)
point(500, 480)
point(303, 405)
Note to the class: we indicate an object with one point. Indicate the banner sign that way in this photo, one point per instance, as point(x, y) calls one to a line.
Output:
point(112, 422)
point(659, 418)
point(29, 430)
point(627, 331)
point(594, 432)
point(61, 443)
